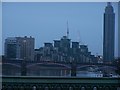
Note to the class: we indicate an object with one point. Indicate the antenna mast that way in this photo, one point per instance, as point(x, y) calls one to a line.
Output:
point(67, 30)
point(79, 38)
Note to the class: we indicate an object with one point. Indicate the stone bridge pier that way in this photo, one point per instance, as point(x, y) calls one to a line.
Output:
point(73, 69)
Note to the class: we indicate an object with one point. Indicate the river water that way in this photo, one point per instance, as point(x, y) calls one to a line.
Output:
point(50, 71)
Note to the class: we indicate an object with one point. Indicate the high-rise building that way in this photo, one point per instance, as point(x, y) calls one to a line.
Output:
point(56, 43)
point(27, 47)
point(49, 45)
point(75, 47)
point(65, 42)
point(20, 47)
point(12, 48)
point(47, 49)
point(75, 44)
point(109, 33)
point(84, 48)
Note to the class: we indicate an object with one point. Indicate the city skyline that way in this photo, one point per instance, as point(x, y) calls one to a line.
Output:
point(77, 29)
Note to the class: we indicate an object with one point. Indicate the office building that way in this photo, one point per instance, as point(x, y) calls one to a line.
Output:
point(27, 47)
point(20, 47)
point(12, 48)
point(109, 33)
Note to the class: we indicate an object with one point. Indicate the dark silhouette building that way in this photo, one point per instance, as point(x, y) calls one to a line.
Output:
point(64, 50)
point(12, 48)
point(109, 33)
point(19, 48)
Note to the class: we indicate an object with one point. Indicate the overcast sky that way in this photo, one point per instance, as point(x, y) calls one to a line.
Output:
point(48, 21)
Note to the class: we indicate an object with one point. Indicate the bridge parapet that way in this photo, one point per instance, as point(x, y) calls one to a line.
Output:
point(59, 83)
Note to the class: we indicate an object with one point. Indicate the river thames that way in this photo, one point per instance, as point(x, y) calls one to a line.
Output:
point(53, 71)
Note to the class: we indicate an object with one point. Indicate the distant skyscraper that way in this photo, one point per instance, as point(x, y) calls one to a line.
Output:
point(56, 43)
point(12, 48)
point(65, 42)
point(19, 48)
point(26, 47)
point(109, 33)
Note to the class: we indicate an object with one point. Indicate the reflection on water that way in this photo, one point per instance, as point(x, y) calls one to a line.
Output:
point(39, 70)
point(89, 74)
point(8, 70)
point(48, 71)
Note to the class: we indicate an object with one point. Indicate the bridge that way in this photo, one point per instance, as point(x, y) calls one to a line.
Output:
point(59, 83)
point(54, 82)
point(62, 65)
point(18, 63)
point(22, 67)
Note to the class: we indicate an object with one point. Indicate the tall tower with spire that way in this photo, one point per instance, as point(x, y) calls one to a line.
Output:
point(67, 30)
point(109, 33)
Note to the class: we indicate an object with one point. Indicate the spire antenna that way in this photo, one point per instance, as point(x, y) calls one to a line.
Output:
point(67, 30)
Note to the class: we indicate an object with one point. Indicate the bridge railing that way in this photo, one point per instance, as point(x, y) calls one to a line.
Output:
point(59, 83)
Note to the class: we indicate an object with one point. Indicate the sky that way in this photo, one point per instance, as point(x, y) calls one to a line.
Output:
point(48, 21)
